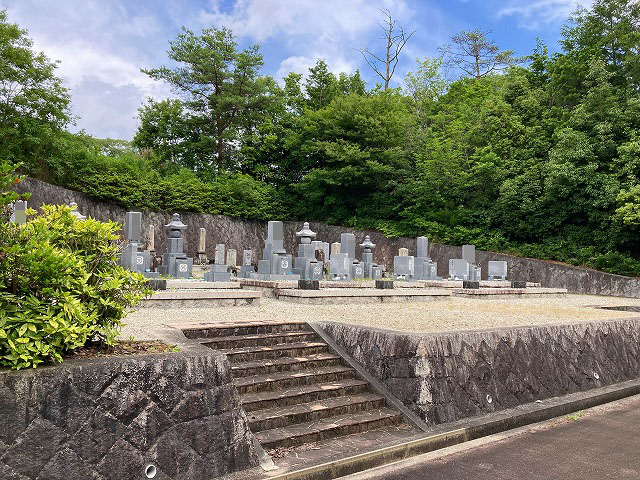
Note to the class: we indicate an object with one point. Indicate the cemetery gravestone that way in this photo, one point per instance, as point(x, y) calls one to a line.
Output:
point(371, 269)
point(247, 269)
point(276, 264)
point(175, 262)
point(19, 212)
point(218, 271)
point(306, 265)
point(497, 270)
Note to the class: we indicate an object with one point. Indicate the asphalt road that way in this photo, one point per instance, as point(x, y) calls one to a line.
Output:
point(603, 442)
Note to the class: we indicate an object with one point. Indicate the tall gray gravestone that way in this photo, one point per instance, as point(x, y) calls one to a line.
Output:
point(276, 264)
point(420, 267)
point(132, 256)
point(175, 262)
point(19, 215)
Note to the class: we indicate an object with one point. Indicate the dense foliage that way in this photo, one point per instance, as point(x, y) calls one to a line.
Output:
point(542, 159)
point(60, 286)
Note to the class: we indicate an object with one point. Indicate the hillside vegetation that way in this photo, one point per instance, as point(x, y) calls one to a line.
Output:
point(537, 156)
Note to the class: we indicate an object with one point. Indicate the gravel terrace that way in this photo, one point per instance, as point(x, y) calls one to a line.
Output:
point(437, 316)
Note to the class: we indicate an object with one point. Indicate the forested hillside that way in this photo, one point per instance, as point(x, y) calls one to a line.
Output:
point(538, 156)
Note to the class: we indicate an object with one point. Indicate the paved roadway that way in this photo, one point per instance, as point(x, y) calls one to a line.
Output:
point(600, 443)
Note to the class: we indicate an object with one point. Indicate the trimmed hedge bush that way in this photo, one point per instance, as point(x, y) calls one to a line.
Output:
point(60, 286)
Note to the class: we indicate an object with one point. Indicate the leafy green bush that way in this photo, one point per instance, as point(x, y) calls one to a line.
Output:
point(60, 286)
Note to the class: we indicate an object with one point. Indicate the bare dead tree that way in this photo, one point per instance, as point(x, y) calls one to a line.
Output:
point(396, 38)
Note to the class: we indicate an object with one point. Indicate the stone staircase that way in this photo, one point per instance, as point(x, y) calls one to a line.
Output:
point(294, 389)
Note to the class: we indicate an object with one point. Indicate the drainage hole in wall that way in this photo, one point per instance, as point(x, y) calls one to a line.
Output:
point(150, 471)
point(489, 399)
point(596, 375)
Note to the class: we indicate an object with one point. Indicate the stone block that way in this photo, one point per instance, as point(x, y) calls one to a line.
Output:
point(403, 252)
point(497, 270)
point(470, 284)
point(133, 226)
point(403, 267)
point(469, 253)
point(458, 269)
point(19, 212)
point(422, 244)
point(348, 244)
point(384, 284)
point(518, 284)
point(308, 284)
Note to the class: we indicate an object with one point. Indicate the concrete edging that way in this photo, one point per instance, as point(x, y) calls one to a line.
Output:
point(465, 430)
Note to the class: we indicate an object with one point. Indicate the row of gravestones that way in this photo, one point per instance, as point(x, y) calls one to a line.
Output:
point(421, 267)
point(276, 264)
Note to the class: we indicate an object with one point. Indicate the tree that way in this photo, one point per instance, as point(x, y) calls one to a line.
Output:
point(476, 55)
point(321, 86)
point(396, 38)
point(356, 153)
point(223, 92)
point(34, 106)
point(165, 130)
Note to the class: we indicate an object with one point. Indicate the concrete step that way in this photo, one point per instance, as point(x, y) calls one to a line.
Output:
point(230, 329)
point(280, 417)
point(248, 354)
point(288, 379)
point(259, 340)
point(302, 394)
point(284, 364)
point(301, 433)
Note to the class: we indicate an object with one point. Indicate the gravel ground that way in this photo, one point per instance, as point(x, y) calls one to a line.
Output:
point(436, 316)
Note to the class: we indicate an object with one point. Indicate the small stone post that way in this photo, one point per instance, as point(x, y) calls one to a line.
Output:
point(202, 244)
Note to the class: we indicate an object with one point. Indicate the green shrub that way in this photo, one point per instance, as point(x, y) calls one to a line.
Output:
point(60, 286)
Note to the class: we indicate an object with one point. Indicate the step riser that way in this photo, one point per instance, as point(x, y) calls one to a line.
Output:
point(248, 330)
point(333, 433)
point(304, 398)
point(303, 417)
point(291, 367)
point(241, 342)
point(279, 353)
point(294, 381)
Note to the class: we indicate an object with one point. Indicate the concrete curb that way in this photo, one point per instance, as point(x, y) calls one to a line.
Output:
point(466, 430)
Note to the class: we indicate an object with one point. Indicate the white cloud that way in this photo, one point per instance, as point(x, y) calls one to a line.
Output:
point(331, 29)
point(101, 47)
point(533, 14)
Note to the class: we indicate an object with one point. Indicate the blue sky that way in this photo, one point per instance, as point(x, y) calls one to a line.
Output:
point(101, 45)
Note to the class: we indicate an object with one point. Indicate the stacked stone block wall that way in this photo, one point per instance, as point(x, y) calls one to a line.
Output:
point(109, 418)
point(451, 376)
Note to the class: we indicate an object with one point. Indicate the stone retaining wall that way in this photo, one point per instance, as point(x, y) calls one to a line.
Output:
point(243, 234)
point(450, 376)
point(107, 418)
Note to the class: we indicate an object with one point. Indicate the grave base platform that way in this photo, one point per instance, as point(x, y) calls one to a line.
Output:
point(496, 293)
point(330, 296)
point(458, 283)
point(183, 298)
point(200, 285)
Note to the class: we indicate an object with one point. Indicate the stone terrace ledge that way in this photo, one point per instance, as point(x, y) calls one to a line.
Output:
point(507, 292)
point(363, 295)
point(201, 298)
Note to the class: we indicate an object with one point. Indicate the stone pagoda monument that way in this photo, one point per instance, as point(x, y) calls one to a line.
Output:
point(175, 262)
point(306, 265)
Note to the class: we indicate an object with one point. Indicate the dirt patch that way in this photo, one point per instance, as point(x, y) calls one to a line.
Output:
point(122, 348)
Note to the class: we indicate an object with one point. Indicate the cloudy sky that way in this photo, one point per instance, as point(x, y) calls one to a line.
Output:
point(102, 45)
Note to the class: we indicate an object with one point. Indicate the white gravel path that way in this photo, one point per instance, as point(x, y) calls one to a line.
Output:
point(437, 316)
